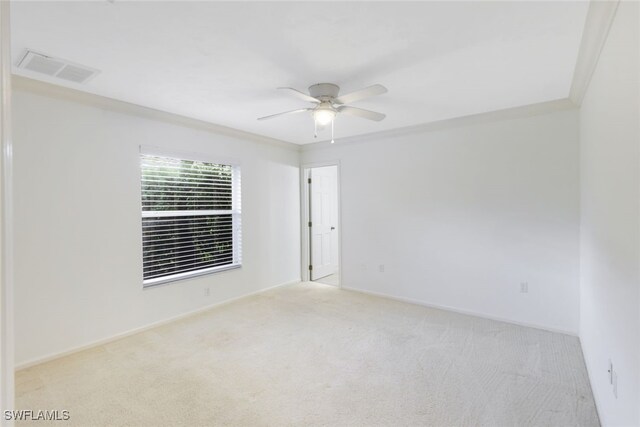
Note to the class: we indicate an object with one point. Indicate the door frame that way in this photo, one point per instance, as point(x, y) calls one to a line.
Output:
point(305, 239)
point(7, 383)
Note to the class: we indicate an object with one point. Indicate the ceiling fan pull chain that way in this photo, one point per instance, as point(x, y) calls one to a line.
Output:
point(332, 141)
point(315, 129)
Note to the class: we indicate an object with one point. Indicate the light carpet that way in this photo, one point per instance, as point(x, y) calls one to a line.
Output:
point(332, 279)
point(312, 355)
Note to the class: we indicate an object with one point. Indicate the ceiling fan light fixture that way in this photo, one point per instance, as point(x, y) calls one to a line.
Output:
point(323, 116)
point(328, 104)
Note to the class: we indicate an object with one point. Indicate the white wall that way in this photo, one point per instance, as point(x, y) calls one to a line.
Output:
point(610, 222)
point(460, 217)
point(78, 230)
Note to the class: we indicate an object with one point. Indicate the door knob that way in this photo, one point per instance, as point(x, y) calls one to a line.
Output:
point(333, 228)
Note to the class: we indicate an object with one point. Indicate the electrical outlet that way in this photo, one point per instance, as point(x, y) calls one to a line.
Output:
point(207, 292)
point(524, 287)
point(381, 268)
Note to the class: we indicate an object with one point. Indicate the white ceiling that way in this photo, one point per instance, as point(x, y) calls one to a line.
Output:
point(221, 62)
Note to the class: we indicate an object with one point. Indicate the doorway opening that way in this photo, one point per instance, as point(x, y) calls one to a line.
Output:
point(322, 221)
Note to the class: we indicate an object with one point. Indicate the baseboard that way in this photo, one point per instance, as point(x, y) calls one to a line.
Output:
point(589, 376)
point(461, 311)
point(57, 355)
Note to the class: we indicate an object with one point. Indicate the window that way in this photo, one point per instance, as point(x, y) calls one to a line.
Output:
point(190, 218)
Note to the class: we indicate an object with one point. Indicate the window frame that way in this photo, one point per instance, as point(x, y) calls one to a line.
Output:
point(235, 212)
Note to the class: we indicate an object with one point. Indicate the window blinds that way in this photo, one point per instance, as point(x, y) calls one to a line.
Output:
point(191, 222)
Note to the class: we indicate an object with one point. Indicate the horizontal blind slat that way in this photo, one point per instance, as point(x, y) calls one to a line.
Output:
point(169, 224)
point(186, 264)
point(167, 229)
point(186, 258)
point(174, 243)
point(202, 251)
point(184, 213)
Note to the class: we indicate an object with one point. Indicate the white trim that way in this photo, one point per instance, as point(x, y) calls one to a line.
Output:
point(462, 311)
point(7, 383)
point(596, 29)
point(152, 150)
point(163, 280)
point(65, 93)
point(97, 101)
point(474, 119)
point(305, 257)
point(53, 356)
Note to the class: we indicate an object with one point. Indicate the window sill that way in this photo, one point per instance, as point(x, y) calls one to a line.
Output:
point(149, 283)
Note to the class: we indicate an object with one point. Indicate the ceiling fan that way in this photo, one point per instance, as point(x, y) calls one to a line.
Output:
point(329, 104)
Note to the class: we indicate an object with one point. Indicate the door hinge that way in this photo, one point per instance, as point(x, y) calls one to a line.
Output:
point(310, 267)
point(309, 223)
point(309, 180)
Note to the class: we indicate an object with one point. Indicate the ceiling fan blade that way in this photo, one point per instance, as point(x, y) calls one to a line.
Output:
point(301, 110)
point(367, 92)
point(361, 112)
point(301, 95)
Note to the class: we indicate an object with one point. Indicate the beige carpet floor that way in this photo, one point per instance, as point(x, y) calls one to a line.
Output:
point(311, 355)
point(332, 279)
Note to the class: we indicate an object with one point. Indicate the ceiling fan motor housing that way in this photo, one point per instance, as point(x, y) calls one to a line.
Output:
point(324, 91)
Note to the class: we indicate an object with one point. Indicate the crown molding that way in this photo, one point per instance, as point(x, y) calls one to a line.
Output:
point(68, 94)
point(596, 29)
point(475, 119)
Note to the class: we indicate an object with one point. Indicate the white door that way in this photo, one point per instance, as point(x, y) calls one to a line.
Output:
point(324, 221)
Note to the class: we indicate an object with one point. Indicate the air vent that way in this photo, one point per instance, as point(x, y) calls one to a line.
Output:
point(56, 67)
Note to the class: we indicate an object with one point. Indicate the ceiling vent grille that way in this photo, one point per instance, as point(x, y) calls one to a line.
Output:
point(56, 67)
